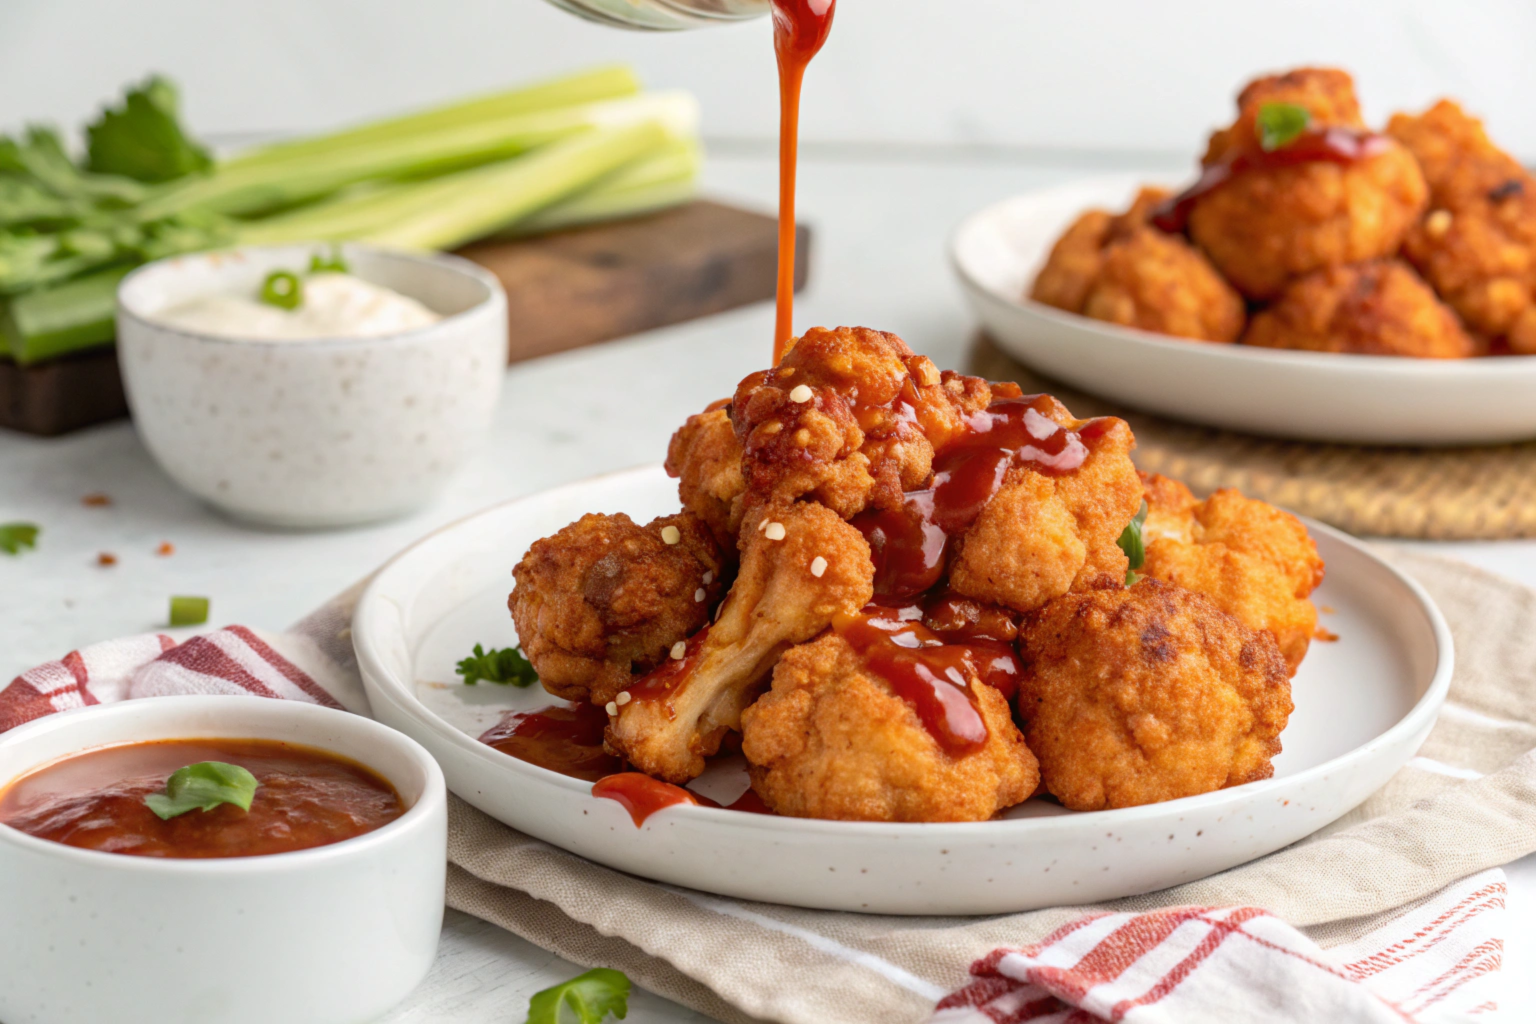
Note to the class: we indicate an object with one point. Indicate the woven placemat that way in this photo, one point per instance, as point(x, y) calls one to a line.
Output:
point(1435, 494)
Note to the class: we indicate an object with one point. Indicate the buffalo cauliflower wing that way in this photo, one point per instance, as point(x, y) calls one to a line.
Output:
point(1477, 243)
point(849, 418)
point(1119, 269)
point(1380, 308)
point(832, 740)
point(705, 459)
point(605, 597)
point(1268, 224)
point(1251, 559)
point(801, 566)
point(1149, 693)
point(1042, 535)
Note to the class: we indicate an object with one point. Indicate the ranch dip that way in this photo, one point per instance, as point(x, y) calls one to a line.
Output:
point(334, 305)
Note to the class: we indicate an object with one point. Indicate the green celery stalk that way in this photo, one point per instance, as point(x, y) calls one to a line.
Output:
point(280, 183)
point(668, 177)
point(51, 322)
point(590, 86)
point(475, 203)
point(337, 218)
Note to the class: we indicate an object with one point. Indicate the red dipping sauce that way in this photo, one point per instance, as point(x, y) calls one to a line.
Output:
point(568, 740)
point(95, 801)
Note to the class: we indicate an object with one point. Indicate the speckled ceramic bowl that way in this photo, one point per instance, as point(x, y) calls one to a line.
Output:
point(315, 433)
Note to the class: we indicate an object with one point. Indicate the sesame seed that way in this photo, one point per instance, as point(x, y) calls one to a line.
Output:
point(612, 708)
point(763, 525)
point(1438, 223)
point(678, 650)
point(622, 699)
point(818, 566)
point(698, 596)
point(709, 577)
point(801, 393)
point(775, 531)
point(670, 535)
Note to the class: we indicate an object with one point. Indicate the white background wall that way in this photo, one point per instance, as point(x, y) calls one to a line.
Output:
point(1129, 75)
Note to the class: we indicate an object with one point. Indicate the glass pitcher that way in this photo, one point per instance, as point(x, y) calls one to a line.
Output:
point(664, 15)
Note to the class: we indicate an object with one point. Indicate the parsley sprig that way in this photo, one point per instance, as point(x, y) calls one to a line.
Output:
point(586, 999)
point(202, 787)
point(505, 665)
point(14, 537)
point(1134, 544)
point(1279, 124)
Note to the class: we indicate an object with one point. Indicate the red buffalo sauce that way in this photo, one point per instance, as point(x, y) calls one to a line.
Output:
point(305, 798)
point(641, 795)
point(1334, 144)
point(931, 674)
point(911, 545)
point(659, 682)
point(568, 740)
point(800, 28)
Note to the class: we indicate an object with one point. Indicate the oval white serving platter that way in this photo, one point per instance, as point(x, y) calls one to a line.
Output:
point(1363, 706)
point(1347, 399)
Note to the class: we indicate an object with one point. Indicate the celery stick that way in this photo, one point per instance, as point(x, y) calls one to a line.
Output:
point(283, 183)
point(492, 197)
point(604, 83)
point(66, 318)
point(666, 178)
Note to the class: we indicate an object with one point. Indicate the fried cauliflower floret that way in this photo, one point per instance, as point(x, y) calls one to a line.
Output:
point(1251, 559)
point(1159, 282)
point(802, 566)
point(605, 597)
point(1267, 225)
point(850, 419)
point(1119, 269)
point(1074, 263)
point(831, 740)
point(705, 459)
point(1041, 536)
point(1477, 243)
point(1149, 693)
point(1381, 308)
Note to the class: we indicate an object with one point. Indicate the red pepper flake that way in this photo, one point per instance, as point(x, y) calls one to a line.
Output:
point(166, 548)
point(97, 500)
point(106, 558)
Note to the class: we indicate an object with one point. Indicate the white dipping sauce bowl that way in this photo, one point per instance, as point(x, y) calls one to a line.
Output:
point(314, 433)
point(331, 935)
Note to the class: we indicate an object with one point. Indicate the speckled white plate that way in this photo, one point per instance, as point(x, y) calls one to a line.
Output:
point(1301, 395)
point(1363, 706)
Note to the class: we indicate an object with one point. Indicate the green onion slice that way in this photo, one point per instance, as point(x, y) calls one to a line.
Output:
point(283, 289)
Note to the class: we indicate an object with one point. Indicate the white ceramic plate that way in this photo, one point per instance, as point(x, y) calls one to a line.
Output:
point(1303, 395)
point(1363, 706)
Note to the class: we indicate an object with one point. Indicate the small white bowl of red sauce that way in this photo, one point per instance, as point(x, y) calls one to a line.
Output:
point(318, 902)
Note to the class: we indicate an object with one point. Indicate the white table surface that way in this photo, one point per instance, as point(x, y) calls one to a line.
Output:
point(879, 260)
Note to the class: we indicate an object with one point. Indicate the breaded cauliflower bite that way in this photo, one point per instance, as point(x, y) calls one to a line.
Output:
point(605, 597)
point(801, 567)
point(1121, 270)
point(1268, 224)
point(1477, 243)
point(831, 740)
point(1381, 308)
point(1251, 559)
point(1149, 693)
point(1042, 535)
point(848, 419)
point(705, 459)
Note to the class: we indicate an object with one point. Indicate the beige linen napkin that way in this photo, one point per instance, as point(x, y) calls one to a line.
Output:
point(1467, 803)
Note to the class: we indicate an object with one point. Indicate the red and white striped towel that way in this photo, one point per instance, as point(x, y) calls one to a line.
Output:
point(236, 660)
point(1436, 962)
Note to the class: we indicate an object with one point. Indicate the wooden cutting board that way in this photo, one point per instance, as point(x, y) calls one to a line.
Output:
point(564, 290)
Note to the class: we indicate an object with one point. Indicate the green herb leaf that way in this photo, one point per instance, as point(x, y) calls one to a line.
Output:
point(586, 999)
point(505, 665)
point(1133, 544)
point(283, 289)
point(189, 611)
point(143, 139)
point(1280, 123)
point(202, 787)
point(335, 263)
point(16, 536)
